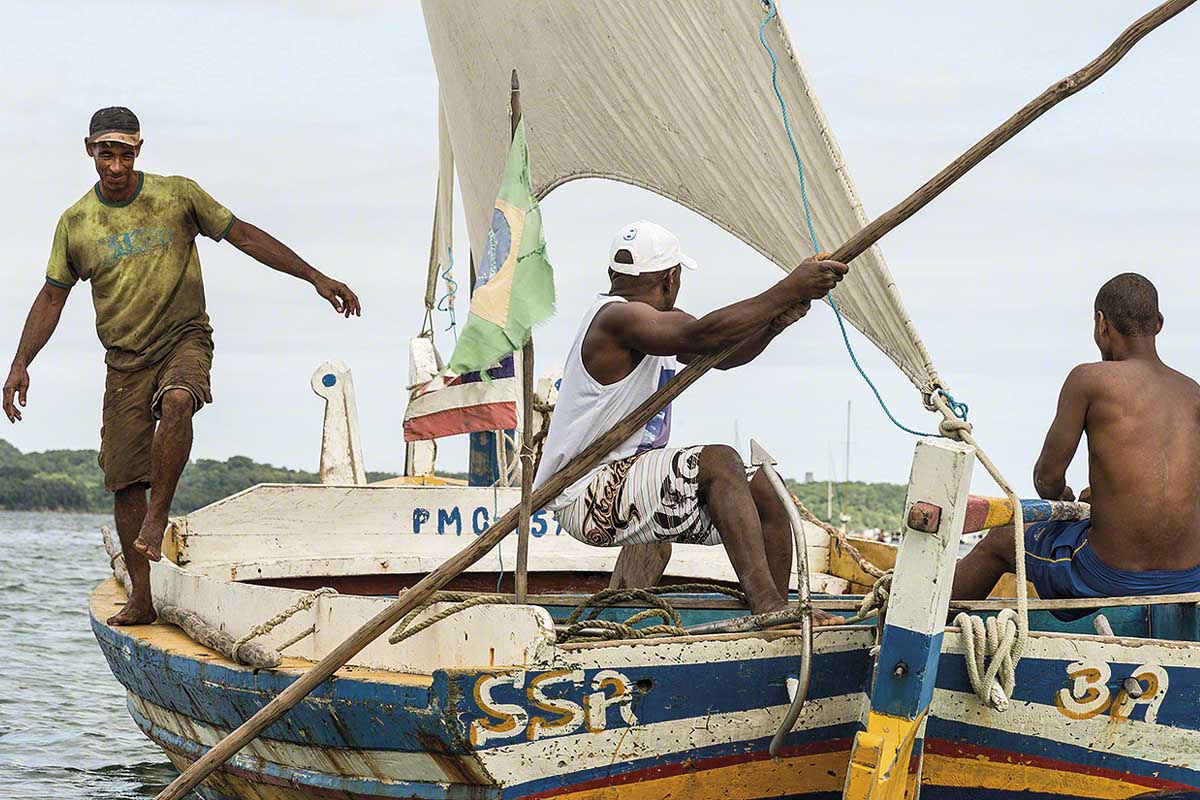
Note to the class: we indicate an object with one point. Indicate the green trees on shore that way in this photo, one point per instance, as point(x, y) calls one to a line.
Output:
point(871, 505)
point(71, 480)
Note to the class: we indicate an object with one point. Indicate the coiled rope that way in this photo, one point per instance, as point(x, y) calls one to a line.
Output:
point(1012, 630)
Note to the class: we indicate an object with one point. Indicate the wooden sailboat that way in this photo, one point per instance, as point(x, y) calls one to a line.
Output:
point(497, 700)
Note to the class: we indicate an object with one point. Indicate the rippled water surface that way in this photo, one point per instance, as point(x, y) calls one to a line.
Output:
point(64, 731)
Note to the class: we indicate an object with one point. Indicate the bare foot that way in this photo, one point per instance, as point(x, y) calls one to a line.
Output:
point(825, 618)
point(149, 540)
point(772, 608)
point(135, 612)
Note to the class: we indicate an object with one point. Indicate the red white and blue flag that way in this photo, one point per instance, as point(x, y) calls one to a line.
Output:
point(452, 404)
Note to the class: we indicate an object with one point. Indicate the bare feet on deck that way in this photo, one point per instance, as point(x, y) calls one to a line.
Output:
point(149, 540)
point(135, 612)
point(825, 618)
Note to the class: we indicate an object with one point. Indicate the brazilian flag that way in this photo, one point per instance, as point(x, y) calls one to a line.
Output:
point(514, 290)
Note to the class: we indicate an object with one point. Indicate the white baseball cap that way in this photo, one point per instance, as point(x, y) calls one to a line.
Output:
point(653, 247)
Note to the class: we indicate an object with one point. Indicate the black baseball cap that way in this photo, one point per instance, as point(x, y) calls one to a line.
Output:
point(115, 124)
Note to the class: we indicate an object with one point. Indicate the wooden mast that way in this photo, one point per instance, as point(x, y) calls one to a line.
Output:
point(521, 577)
point(582, 463)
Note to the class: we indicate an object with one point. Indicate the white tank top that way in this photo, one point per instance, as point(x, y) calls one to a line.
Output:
point(587, 409)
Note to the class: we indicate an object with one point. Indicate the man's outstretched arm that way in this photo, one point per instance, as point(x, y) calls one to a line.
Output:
point(1062, 440)
point(757, 343)
point(39, 325)
point(640, 327)
point(266, 249)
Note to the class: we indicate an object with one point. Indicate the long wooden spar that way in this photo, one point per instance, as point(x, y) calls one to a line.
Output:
point(578, 466)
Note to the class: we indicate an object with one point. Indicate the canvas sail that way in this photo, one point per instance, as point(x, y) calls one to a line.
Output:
point(673, 96)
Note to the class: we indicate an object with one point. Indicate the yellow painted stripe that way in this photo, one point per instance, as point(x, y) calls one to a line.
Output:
point(1000, 512)
point(826, 772)
point(979, 772)
point(880, 758)
point(822, 772)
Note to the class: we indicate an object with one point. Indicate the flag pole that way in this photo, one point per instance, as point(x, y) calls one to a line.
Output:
point(521, 576)
point(579, 466)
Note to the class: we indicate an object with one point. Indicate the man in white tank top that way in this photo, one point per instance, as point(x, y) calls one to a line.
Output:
point(627, 346)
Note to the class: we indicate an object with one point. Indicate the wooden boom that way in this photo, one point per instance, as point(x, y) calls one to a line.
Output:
point(579, 466)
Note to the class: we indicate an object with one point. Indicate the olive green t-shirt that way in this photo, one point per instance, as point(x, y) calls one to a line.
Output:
point(140, 255)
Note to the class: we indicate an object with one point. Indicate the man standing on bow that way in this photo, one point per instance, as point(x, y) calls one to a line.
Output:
point(133, 235)
point(645, 493)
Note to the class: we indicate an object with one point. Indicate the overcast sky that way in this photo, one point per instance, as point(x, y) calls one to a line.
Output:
point(320, 127)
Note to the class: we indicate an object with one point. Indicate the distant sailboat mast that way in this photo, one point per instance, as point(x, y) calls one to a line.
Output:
point(829, 476)
point(846, 490)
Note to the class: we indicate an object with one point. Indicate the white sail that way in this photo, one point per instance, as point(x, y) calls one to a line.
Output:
point(671, 95)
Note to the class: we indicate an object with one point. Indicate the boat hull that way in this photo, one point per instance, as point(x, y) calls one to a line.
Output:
point(675, 719)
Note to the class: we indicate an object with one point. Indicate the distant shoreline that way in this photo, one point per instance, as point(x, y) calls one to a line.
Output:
point(71, 482)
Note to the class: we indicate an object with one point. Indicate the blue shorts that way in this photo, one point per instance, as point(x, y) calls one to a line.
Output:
point(1061, 565)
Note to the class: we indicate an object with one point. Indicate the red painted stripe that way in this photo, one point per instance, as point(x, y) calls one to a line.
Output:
point(467, 419)
point(942, 747)
point(976, 514)
point(692, 765)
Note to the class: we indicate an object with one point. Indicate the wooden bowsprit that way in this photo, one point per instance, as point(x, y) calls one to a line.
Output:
point(582, 463)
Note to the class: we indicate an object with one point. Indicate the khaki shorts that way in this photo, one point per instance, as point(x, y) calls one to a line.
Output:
point(133, 402)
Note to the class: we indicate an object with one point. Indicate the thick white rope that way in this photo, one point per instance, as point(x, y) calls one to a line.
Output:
point(1001, 639)
point(994, 638)
point(303, 604)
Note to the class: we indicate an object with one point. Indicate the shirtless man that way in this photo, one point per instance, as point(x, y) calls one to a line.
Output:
point(644, 493)
point(1142, 420)
point(132, 235)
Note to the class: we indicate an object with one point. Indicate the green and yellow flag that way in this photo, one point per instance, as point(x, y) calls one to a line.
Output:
point(514, 288)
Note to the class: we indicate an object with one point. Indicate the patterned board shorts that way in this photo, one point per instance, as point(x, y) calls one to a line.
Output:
point(649, 497)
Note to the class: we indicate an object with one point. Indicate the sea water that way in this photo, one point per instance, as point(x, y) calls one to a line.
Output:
point(64, 730)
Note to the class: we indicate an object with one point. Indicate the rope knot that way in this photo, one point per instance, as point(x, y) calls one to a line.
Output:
point(954, 428)
point(876, 600)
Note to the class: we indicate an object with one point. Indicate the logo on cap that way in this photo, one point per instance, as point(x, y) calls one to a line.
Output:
point(630, 234)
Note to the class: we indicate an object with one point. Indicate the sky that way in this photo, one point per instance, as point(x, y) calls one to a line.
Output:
point(317, 122)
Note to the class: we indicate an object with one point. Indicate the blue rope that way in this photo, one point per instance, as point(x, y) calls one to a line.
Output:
point(451, 291)
point(955, 406)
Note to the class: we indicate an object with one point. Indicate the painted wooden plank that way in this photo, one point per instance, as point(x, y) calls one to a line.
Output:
point(276, 531)
point(910, 647)
point(481, 636)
